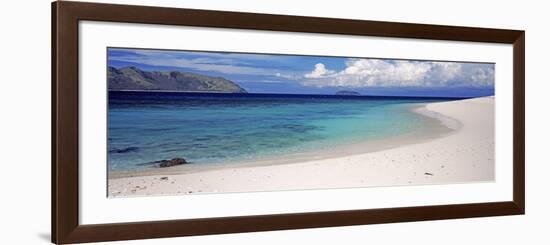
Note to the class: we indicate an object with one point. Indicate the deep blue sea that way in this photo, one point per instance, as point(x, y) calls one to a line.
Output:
point(214, 128)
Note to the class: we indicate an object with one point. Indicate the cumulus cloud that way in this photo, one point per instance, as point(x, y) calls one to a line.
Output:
point(319, 72)
point(402, 73)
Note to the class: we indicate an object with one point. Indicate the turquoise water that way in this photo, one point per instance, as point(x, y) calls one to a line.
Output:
point(221, 128)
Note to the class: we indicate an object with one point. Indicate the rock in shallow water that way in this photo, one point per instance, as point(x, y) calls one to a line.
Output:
point(125, 150)
point(169, 163)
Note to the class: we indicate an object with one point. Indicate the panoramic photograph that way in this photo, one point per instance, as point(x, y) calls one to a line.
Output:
point(184, 122)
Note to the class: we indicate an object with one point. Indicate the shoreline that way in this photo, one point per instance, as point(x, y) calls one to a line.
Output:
point(436, 126)
point(375, 159)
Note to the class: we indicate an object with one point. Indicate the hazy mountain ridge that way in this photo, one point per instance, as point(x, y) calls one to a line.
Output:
point(133, 78)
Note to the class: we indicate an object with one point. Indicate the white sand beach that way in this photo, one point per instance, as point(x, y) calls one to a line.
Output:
point(463, 153)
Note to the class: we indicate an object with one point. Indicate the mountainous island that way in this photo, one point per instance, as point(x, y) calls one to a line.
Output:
point(346, 92)
point(133, 78)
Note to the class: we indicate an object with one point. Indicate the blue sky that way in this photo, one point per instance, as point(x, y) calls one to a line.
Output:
point(271, 73)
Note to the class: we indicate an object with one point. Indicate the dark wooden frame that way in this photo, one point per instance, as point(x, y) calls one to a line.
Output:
point(65, 211)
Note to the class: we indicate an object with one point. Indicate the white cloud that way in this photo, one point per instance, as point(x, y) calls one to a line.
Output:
point(402, 73)
point(201, 64)
point(228, 63)
point(319, 72)
point(288, 76)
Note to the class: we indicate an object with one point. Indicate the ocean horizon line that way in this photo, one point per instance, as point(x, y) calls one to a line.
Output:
point(230, 94)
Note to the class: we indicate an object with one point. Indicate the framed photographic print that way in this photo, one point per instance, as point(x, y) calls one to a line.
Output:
point(175, 122)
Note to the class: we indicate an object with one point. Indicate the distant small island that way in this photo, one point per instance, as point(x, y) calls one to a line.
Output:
point(347, 92)
point(133, 78)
